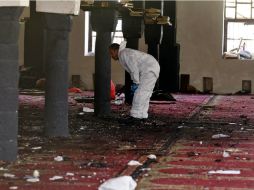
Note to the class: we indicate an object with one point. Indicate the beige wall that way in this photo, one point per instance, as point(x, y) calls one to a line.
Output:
point(200, 33)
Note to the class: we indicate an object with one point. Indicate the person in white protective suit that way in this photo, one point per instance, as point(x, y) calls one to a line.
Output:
point(144, 70)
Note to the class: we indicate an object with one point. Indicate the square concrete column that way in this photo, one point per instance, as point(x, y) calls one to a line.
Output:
point(9, 35)
point(57, 28)
point(103, 22)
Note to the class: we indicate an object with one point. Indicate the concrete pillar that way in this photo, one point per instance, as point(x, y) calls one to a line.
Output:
point(102, 74)
point(153, 32)
point(9, 34)
point(169, 52)
point(57, 27)
point(103, 22)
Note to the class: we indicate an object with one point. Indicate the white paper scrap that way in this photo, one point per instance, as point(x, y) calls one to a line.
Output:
point(36, 148)
point(69, 174)
point(119, 183)
point(233, 172)
point(134, 163)
point(55, 178)
point(36, 173)
point(226, 154)
point(13, 187)
point(88, 110)
point(33, 180)
point(217, 136)
point(152, 157)
point(8, 175)
point(58, 158)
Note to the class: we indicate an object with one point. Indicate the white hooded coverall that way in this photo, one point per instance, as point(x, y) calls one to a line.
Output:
point(144, 71)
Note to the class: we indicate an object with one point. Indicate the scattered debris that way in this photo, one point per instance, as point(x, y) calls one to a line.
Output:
point(81, 113)
point(225, 154)
point(94, 164)
point(69, 174)
point(74, 90)
point(118, 102)
point(125, 182)
point(83, 127)
point(59, 159)
point(3, 169)
point(190, 154)
point(134, 163)
point(55, 178)
point(8, 175)
point(13, 187)
point(146, 169)
point(233, 172)
point(36, 173)
point(33, 180)
point(217, 136)
point(233, 150)
point(88, 110)
point(36, 148)
point(152, 157)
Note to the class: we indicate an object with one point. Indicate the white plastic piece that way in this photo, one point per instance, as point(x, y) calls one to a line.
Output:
point(3, 169)
point(134, 163)
point(56, 177)
point(69, 174)
point(14, 3)
point(33, 180)
point(8, 175)
point(146, 169)
point(119, 183)
point(36, 148)
point(226, 154)
point(13, 187)
point(233, 150)
point(71, 7)
point(118, 102)
point(233, 172)
point(217, 136)
point(58, 158)
point(88, 110)
point(152, 157)
point(36, 173)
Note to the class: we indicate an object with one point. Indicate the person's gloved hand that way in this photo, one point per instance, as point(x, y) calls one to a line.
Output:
point(134, 88)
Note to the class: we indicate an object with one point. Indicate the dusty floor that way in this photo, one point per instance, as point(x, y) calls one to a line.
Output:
point(178, 133)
